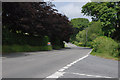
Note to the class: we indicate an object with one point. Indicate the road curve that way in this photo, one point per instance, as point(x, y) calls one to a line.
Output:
point(72, 62)
point(40, 64)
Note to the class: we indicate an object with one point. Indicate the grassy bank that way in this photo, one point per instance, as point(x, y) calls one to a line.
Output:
point(23, 48)
point(104, 55)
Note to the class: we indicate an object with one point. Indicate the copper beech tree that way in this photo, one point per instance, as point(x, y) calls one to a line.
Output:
point(38, 18)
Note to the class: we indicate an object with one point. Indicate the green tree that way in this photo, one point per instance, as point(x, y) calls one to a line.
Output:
point(80, 23)
point(94, 30)
point(90, 33)
point(109, 15)
point(36, 19)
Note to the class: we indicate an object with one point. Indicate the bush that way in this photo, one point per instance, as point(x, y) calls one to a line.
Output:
point(104, 44)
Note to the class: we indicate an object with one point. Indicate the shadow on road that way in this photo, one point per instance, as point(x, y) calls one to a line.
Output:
point(21, 54)
point(18, 54)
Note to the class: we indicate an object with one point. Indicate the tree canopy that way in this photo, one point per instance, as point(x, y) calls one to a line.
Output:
point(80, 23)
point(109, 15)
point(38, 18)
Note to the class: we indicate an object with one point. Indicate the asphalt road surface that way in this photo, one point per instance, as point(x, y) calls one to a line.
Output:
point(72, 62)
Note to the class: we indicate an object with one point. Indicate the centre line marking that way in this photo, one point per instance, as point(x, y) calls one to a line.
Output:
point(60, 72)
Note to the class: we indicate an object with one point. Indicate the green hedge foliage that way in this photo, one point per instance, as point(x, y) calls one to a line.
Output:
point(12, 42)
point(24, 48)
point(105, 44)
point(9, 38)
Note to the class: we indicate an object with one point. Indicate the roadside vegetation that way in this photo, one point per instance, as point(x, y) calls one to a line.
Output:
point(13, 42)
point(102, 33)
point(30, 26)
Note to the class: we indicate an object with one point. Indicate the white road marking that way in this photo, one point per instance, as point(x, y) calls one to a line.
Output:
point(66, 67)
point(98, 76)
point(56, 75)
point(60, 72)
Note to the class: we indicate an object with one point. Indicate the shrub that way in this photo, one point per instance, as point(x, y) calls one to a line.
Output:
point(104, 44)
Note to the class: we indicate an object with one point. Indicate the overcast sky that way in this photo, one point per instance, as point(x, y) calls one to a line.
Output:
point(71, 8)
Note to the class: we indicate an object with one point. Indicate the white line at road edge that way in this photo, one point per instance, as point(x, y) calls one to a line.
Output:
point(60, 72)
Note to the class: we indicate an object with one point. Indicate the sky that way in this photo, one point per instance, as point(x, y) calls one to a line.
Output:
point(72, 9)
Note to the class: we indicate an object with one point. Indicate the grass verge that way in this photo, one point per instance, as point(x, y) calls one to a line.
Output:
point(104, 55)
point(24, 48)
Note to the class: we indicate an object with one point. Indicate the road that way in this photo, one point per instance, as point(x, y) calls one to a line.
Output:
point(72, 62)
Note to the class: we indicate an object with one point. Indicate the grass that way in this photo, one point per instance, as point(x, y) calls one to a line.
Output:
point(104, 55)
point(24, 48)
point(27, 48)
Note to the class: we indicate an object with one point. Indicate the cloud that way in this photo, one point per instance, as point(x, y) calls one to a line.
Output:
point(70, 10)
point(73, 10)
